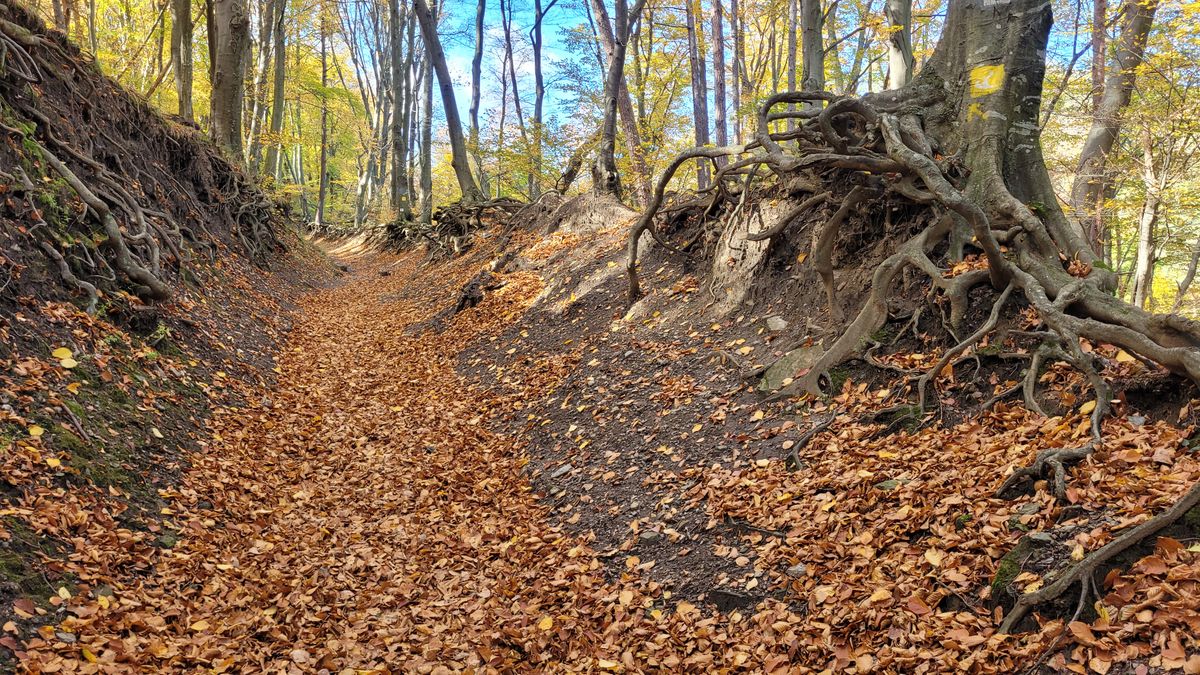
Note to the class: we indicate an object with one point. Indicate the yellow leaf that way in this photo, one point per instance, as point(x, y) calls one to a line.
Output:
point(62, 353)
point(53, 462)
point(546, 623)
point(73, 387)
point(609, 665)
point(880, 595)
point(64, 593)
point(801, 258)
point(36, 431)
point(758, 415)
point(1124, 357)
point(200, 625)
point(1087, 408)
point(745, 350)
point(68, 363)
point(626, 597)
point(87, 654)
point(155, 432)
point(934, 556)
point(103, 601)
point(684, 607)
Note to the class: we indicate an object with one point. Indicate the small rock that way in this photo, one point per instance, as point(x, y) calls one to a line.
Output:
point(561, 471)
point(385, 273)
point(1137, 420)
point(798, 570)
point(168, 540)
point(68, 638)
point(890, 484)
point(1029, 509)
point(776, 324)
point(649, 535)
point(1041, 538)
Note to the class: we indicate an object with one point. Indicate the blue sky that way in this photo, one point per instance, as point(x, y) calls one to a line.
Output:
point(458, 40)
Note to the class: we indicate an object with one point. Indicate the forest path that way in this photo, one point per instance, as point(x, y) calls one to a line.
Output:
point(360, 516)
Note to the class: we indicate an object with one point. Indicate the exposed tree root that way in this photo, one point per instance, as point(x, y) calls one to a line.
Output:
point(1082, 571)
point(967, 161)
point(126, 221)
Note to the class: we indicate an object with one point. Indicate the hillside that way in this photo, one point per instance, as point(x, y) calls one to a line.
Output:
point(144, 282)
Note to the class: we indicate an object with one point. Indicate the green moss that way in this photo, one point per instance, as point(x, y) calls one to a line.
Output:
point(1009, 567)
point(20, 560)
point(837, 378)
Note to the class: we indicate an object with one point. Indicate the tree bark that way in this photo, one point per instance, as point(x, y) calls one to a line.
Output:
point(231, 25)
point(605, 177)
point(181, 56)
point(812, 46)
point(274, 146)
point(900, 52)
point(1143, 275)
point(539, 97)
point(1091, 178)
point(699, 88)
point(426, 206)
point(258, 95)
point(1099, 50)
point(323, 164)
point(793, 23)
point(476, 83)
point(718, 51)
point(458, 145)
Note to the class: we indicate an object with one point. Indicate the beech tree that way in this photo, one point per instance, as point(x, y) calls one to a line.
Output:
point(1091, 179)
point(229, 50)
point(458, 146)
point(605, 178)
point(181, 55)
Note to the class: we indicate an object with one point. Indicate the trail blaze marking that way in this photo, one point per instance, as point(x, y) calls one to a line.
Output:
point(986, 80)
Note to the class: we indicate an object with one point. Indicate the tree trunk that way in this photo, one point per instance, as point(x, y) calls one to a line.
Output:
point(181, 56)
point(629, 122)
point(605, 178)
point(1091, 178)
point(323, 168)
point(258, 95)
point(231, 25)
point(476, 80)
point(1186, 282)
point(539, 97)
point(718, 51)
point(458, 145)
point(277, 91)
point(399, 186)
point(699, 88)
point(793, 22)
point(1099, 50)
point(812, 46)
point(427, 144)
point(900, 53)
point(740, 88)
point(1143, 274)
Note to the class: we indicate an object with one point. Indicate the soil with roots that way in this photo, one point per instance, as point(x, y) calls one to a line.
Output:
point(141, 276)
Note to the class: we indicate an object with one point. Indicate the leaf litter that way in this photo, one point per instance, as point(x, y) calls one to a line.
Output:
point(369, 512)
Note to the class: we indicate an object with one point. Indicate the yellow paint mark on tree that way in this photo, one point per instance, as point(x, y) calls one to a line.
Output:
point(986, 80)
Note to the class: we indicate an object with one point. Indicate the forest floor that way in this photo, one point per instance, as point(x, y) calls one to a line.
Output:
point(413, 494)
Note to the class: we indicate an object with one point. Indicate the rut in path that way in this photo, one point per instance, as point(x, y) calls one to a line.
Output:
point(361, 516)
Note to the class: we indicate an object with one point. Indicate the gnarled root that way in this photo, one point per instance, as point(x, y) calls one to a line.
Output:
point(1082, 571)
